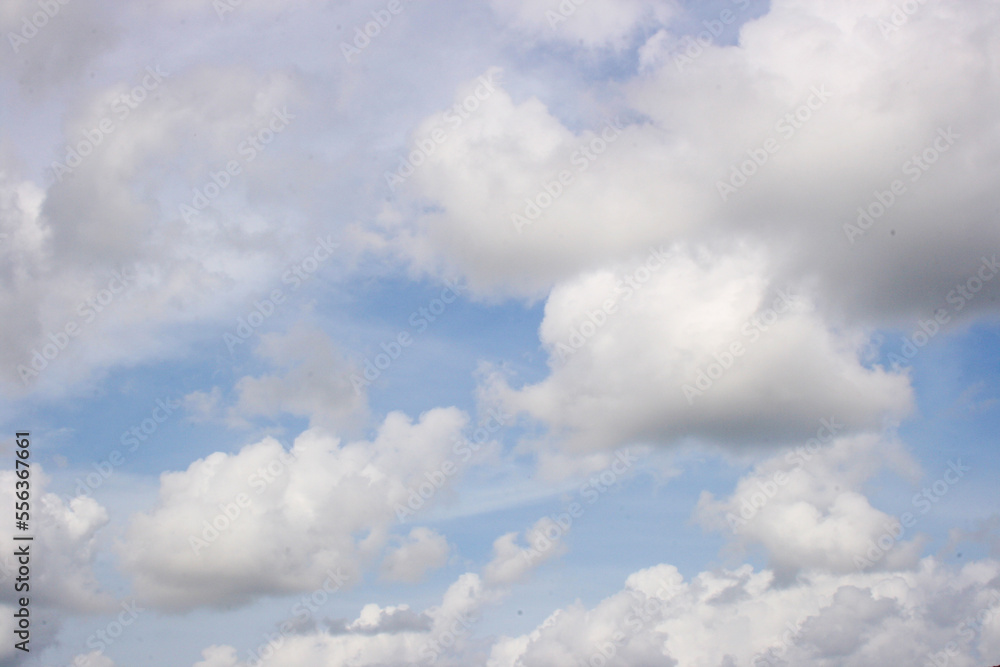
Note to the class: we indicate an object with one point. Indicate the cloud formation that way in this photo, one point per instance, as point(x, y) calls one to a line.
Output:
point(697, 345)
point(270, 521)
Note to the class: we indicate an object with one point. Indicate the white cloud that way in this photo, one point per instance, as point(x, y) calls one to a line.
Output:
point(512, 562)
point(659, 181)
point(734, 617)
point(496, 165)
point(422, 551)
point(282, 519)
point(854, 145)
point(814, 606)
point(808, 510)
point(645, 351)
point(203, 405)
point(383, 636)
point(375, 620)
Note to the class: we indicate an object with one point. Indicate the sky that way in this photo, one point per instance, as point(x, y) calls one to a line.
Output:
point(504, 333)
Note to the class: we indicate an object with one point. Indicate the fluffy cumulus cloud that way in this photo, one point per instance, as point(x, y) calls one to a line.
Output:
point(267, 521)
point(512, 562)
point(722, 617)
point(524, 201)
point(816, 604)
point(781, 138)
point(845, 149)
point(742, 617)
point(808, 510)
point(422, 550)
point(679, 344)
point(846, 585)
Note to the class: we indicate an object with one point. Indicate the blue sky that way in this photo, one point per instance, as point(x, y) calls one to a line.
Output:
point(624, 348)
